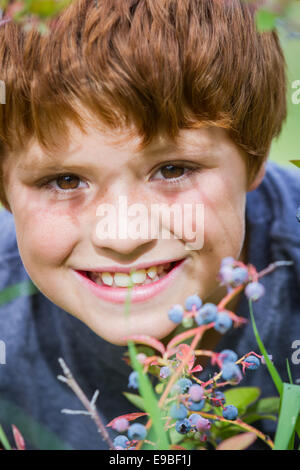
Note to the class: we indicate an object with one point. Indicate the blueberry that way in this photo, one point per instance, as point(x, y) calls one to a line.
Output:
point(133, 380)
point(231, 371)
point(121, 425)
point(253, 361)
point(120, 441)
point(254, 290)
point(223, 323)
point(196, 406)
point(165, 371)
point(175, 313)
point(227, 355)
point(217, 398)
point(183, 426)
point(137, 432)
point(227, 261)
point(193, 418)
point(230, 412)
point(226, 274)
point(184, 385)
point(240, 275)
point(207, 314)
point(193, 301)
point(203, 424)
point(178, 411)
point(196, 392)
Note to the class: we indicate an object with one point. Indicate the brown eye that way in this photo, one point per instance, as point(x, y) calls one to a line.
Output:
point(172, 171)
point(67, 182)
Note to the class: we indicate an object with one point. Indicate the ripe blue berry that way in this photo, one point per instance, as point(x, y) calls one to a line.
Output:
point(175, 313)
point(165, 371)
point(133, 380)
point(254, 290)
point(207, 314)
point(193, 301)
point(230, 412)
point(226, 274)
point(196, 392)
point(196, 406)
point(227, 261)
point(121, 425)
point(183, 426)
point(231, 372)
point(240, 275)
point(178, 411)
point(184, 384)
point(137, 432)
point(223, 323)
point(253, 362)
point(120, 441)
point(227, 355)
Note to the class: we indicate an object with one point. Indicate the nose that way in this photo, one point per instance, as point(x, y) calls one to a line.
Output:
point(122, 227)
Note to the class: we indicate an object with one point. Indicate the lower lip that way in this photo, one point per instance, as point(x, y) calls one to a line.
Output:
point(118, 295)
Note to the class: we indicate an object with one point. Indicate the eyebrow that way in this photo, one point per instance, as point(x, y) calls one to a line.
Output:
point(161, 151)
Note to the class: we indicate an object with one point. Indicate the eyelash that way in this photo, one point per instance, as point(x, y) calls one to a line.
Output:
point(177, 180)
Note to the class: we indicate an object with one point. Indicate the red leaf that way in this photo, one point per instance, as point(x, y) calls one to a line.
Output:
point(177, 447)
point(147, 340)
point(19, 440)
point(184, 350)
point(130, 417)
point(238, 442)
point(196, 369)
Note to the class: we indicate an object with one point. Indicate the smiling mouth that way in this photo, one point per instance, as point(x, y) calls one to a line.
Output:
point(140, 277)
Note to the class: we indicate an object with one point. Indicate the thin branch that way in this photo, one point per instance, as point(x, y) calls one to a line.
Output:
point(89, 405)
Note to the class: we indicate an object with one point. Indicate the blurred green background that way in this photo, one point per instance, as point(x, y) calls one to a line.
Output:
point(287, 146)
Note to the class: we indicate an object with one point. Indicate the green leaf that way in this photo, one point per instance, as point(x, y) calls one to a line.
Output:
point(288, 416)
point(265, 406)
point(136, 400)
point(242, 397)
point(175, 436)
point(4, 439)
point(251, 418)
point(265, 20)
point(295, 162)
point(272, 369)
point(17, 290)
point(239, 442)
point(147, 392)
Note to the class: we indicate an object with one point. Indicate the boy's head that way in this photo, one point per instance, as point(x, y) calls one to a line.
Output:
point(157, 102)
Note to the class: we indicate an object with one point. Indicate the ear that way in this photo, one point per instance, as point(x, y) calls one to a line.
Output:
point(258, 177)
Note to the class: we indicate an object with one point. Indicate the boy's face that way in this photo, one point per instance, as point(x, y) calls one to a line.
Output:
point(57, 225)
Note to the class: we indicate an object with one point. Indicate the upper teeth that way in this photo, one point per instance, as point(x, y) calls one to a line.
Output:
point(125, 280)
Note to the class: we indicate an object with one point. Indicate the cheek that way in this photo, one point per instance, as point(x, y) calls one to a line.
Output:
point(45, 236)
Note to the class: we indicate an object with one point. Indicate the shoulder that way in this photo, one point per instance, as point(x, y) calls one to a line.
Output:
point(8, 241)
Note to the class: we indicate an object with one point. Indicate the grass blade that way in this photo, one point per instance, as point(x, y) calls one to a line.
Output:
point(272, 369)
point(288, 416)
point(289, 371)
point(146, 390)
point(4, 440)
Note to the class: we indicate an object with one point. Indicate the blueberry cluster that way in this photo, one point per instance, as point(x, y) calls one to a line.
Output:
point(135, 432)
point(204, 314)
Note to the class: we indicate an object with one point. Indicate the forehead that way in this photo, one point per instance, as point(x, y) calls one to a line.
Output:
point(106, 144)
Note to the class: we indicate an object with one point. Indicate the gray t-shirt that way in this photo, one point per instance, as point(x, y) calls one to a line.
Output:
point(36, 332)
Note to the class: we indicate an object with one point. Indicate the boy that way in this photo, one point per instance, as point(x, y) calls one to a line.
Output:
point(171, 103)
